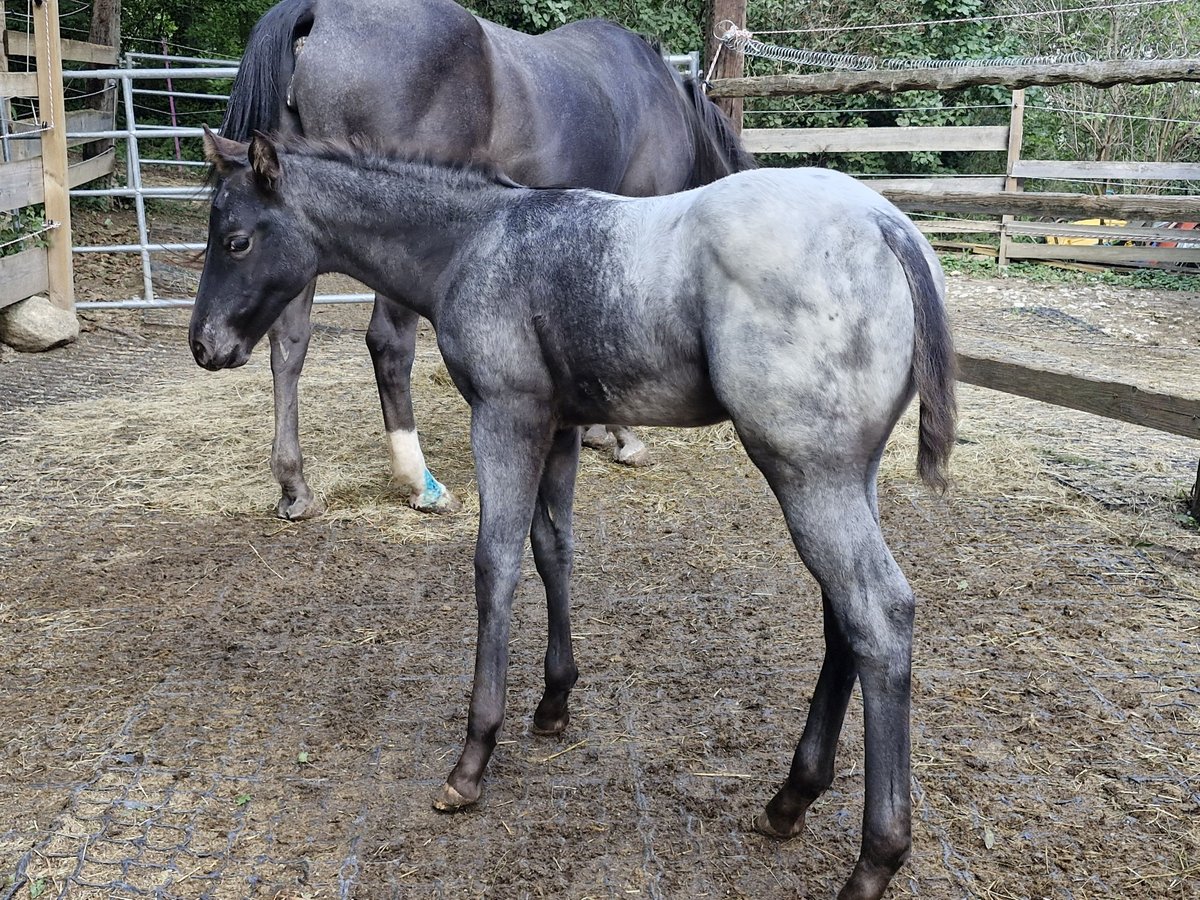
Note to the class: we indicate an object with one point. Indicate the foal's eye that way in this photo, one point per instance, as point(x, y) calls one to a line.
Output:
point(238, 244)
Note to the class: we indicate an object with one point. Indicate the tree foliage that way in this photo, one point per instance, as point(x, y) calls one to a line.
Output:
point(219, 29)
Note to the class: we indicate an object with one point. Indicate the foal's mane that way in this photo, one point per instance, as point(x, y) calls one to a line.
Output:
point(375, 155)
point(379, 156)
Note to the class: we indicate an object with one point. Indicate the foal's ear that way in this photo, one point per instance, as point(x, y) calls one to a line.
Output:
point(265, 161)
point(224, 155)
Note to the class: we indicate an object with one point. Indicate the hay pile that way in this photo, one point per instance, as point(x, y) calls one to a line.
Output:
point(198, 443)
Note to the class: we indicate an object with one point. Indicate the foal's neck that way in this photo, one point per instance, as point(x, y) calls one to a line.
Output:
point(395, 226)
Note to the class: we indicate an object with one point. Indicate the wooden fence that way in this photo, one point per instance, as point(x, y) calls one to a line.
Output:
point(1126, 243)
point(41, 171)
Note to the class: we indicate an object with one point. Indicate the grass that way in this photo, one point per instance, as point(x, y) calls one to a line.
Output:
point(1157, 279)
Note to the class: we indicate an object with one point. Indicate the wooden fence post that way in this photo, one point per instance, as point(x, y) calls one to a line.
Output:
point(730, 63)
point(1016, 134)
point(53, 115)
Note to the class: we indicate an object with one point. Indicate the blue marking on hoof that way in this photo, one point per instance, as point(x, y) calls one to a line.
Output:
point(432, 487)
point(435, 497)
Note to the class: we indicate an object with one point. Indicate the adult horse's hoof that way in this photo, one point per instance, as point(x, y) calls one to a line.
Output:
point(630, 449)
point(296, 509)
point(549, 725)
point(598, 437)
point(435, 498)
point(635, 457)
point(450, 800)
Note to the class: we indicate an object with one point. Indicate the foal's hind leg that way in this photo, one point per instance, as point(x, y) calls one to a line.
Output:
point(813, 763)
point(870, 614)
point(289, 338)
point(553, 550)
point(392, 340)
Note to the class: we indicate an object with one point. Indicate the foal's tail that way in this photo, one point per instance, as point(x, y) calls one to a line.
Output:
point(719, 150)
point(933, 364)
point(258, 99)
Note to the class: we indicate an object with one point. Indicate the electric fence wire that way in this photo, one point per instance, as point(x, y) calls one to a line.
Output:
point(743, 42)
point(1059, 11)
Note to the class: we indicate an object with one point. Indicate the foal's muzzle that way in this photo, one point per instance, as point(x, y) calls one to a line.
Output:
point(228, 355)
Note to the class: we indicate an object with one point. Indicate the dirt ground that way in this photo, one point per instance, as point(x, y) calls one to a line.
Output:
point(203, 701)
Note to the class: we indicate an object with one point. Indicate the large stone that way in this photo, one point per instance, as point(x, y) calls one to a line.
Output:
point(35, 325)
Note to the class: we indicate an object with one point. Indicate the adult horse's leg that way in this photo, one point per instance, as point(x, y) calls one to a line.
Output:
point(392, 341)
point(833, 524)
point(289, 338)
point(553, 550)
point(510, 445)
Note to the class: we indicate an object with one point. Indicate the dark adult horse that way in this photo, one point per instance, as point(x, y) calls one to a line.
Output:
point(554, 308)
point(589, 104)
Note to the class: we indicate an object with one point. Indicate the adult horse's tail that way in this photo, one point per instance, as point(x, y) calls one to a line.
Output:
point(933, 364)
point(719, 151)
point(258, 99)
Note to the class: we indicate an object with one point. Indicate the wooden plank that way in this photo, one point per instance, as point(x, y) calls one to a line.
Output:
point(5, 105)
point(1074, 206)
point(1111, 399)
point(22, 275)
point(1016, 136)
point(1119, 233)
point(18, 43)
point(1142, 171)
point(1093, 253)
point(61, 287)
point(18, 84)
point(78, 120)
point(1104, 73)
point(90, 169)
point(875, 140)
point(21, 184)
point(938, 185)
point(956, 226)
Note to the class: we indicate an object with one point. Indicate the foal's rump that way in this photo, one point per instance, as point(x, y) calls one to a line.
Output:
point(828, 308)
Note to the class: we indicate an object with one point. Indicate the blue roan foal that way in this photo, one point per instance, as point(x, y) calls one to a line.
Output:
point(798, 303)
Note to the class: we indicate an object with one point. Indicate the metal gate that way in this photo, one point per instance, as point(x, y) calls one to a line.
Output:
point(131, 80)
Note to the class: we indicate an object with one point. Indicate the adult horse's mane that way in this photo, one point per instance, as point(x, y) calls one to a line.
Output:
point(719, 149)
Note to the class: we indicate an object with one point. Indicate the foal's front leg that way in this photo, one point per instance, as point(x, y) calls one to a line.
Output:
point(510, 442)
point(392, 341)
point(289, 338)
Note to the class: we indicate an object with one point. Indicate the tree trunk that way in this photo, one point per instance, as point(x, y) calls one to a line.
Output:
point(106, 30)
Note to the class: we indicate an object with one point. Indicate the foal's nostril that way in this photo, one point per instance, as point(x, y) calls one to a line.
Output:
point(199, 351)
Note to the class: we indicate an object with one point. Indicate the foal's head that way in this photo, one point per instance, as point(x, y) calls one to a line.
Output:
point(257, 261)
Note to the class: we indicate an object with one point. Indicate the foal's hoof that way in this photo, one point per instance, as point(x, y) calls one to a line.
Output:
point(450, 800)
point(296, 509)
point(764, 825)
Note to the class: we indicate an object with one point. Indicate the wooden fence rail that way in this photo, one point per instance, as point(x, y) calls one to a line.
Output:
point(38, 169)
